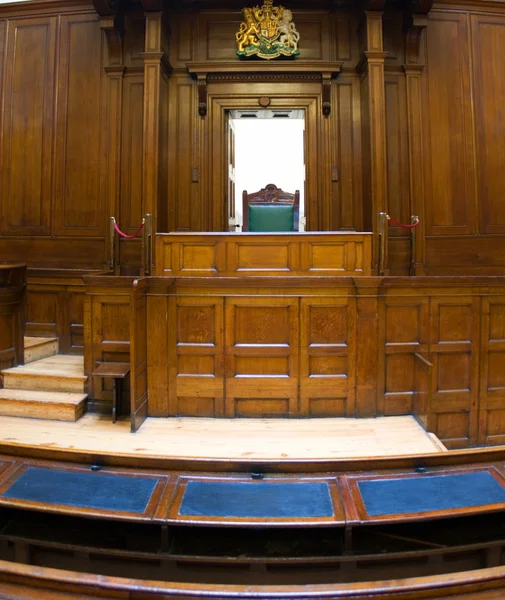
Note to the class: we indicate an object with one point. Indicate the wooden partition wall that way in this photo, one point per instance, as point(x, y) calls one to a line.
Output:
point(348, 347)
point(12, 307)
point(403, 114)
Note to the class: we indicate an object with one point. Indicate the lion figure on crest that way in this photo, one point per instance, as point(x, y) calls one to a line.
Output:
point(289, 35)
point(248, 32)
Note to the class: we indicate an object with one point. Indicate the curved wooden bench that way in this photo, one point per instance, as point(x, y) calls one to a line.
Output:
point(27, 583)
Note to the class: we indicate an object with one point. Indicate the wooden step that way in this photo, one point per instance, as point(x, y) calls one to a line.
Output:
point(57, 406)
point(60, 373)
point(37, 348)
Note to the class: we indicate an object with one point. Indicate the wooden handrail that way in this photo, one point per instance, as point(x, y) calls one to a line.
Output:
point(457, 585)
point(425, 362)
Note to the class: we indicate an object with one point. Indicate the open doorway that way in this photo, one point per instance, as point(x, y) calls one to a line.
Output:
point(265, 147)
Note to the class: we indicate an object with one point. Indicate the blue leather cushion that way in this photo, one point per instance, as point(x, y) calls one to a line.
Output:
point(271, 217)
point(85, 490)
point(267, 500)
point(428, 493)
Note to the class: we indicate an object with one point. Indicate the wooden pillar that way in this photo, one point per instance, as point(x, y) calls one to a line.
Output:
point(367, 340)
point(155, 141)
point(415, 23)
point(373, 107)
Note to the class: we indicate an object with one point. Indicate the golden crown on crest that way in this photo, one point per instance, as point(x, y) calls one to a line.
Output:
point(267, 32)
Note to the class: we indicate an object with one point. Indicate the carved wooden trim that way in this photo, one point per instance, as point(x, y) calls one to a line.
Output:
point(326, 95)
point(368, 58)
point(415, 21)
point(413, 36)
point(111, 23)
point(278, 77)
point(280, 71)
point(112, 26)
point(202, 95)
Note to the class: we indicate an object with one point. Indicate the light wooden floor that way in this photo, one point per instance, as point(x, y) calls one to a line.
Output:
point(228, 438)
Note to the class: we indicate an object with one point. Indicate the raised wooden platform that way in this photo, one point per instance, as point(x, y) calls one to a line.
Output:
point(37, 348)
point(49, 388)
point(60, 373)
point(234, 439)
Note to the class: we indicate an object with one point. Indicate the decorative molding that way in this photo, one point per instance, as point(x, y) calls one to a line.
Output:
point(415, 22)
point(250, 66)
point(202, 95)
point(326, 95)
point(112, 24)
point(280, 77)
point(368, 58)
point(204, 72)
point(413, 35)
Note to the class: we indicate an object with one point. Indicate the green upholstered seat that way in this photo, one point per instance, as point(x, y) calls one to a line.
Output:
point(271, 217)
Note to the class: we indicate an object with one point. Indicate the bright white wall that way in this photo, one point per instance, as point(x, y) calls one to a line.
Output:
point(268, 151)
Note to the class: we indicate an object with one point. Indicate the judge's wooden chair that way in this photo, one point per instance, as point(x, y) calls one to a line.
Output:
point(271, 209)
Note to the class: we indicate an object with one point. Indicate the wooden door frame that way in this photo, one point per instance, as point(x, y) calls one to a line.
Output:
point(225, 96)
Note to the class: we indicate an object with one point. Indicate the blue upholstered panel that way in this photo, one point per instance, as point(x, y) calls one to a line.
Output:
point(261, 500)
point(430, 493)
point(85, 490)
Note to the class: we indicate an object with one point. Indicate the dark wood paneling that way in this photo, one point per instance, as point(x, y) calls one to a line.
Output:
point(107, 317)
point(488, 37)
point(197, 351)
point(492, 378)
point(450, 197)
point(80, 165)
point(262, 357)
point(27, 126)
point(327, 357)
point(404, 330)
point(134, 43)
point(253, 254)
point(12, 300)
point(346, 41)
point(397, 152)
point(183, 200)
point(55, 308)
point(347, 203)
point(131, 208)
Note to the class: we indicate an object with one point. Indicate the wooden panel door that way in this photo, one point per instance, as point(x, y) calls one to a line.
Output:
point(403, 331)
point(26, 139)
point(138, 355)
point(454, 352)
point(262, 340)
point(492, 379)
point(196, 363)
point(327, 357)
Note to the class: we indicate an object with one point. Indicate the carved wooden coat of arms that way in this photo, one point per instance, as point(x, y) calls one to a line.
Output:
point(268, 32)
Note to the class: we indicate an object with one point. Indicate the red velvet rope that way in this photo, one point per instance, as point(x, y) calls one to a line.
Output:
point(128, 237)
point(403, 224)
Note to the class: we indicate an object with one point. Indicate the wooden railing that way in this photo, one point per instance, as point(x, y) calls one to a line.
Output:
point(18, 581)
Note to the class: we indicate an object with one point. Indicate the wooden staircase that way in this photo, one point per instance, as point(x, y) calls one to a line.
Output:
point(48, 386)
